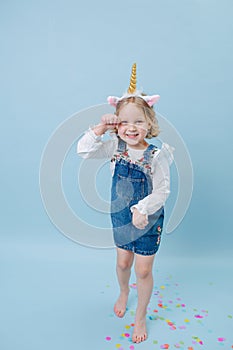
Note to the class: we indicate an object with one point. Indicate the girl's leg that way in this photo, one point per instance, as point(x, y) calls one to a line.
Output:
point(124, 263)
point(143, 270)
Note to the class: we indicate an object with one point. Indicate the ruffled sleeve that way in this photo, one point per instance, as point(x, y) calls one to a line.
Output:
point(167, 152)
point(93, 146)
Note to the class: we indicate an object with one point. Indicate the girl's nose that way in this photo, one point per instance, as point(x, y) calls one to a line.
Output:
point(132, 126)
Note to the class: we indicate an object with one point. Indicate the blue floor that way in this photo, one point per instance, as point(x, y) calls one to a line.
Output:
point(58, 295)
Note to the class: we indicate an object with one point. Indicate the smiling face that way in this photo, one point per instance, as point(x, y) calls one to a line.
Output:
point(133, 126)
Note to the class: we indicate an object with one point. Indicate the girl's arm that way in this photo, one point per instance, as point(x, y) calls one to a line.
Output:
point(161, 182)
point(91, 144)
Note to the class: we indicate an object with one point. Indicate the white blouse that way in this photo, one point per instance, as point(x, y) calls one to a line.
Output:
point(92, 146)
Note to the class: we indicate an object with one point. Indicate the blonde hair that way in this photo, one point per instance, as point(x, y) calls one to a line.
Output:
point(148, 111)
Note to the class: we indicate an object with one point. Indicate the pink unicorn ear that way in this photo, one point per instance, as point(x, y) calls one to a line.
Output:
point(113, 100)
point(151, 100)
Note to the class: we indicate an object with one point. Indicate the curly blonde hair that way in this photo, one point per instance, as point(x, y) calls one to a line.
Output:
point(148, 111)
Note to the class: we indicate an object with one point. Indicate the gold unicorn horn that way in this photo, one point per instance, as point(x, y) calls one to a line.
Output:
point(133, 80)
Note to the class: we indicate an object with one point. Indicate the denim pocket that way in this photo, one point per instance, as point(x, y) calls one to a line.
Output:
point(129, 188)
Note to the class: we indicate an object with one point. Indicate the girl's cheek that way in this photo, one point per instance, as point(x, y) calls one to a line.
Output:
point(120, 129)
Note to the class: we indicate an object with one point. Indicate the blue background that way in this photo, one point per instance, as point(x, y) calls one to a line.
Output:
point(58, 57)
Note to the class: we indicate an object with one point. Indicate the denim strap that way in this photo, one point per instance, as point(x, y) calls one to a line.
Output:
point(147, 153)
point(121, 145)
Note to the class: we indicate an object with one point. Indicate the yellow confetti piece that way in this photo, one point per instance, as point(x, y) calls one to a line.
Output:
point(162, 287)
point(127, 327)
point(118, 346)
point(186, 320)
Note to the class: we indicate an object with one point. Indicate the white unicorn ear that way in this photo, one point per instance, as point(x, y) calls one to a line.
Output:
point(113, 100)
point(151, 100)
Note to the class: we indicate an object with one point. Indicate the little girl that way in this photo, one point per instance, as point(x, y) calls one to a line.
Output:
point(140, 187)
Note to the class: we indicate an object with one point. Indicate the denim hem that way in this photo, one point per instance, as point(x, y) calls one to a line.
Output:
point(138, 251)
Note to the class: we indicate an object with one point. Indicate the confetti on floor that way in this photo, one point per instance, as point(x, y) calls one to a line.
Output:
point(172, 319)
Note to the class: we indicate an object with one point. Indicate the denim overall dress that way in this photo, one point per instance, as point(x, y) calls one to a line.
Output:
point(131, 183)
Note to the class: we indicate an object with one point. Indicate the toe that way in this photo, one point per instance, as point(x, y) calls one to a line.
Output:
point(138, 339)
point(118, 313)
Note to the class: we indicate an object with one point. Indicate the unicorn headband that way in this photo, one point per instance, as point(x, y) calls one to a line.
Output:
point(132, 91)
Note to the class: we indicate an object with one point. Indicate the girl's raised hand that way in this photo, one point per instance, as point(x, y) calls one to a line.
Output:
point(107, 122)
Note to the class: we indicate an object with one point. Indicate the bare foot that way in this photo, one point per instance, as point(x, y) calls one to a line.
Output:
point(140, 333)
point(120, 306)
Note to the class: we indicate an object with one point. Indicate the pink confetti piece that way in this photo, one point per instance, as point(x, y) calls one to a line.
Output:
point(221, 339)
point(205, 311)
point(108, 338)
point(182, 327)
point(198, 316)
point(127, 335)
point(131, 347)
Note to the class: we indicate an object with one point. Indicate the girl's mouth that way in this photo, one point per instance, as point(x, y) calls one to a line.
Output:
point(132, 136)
